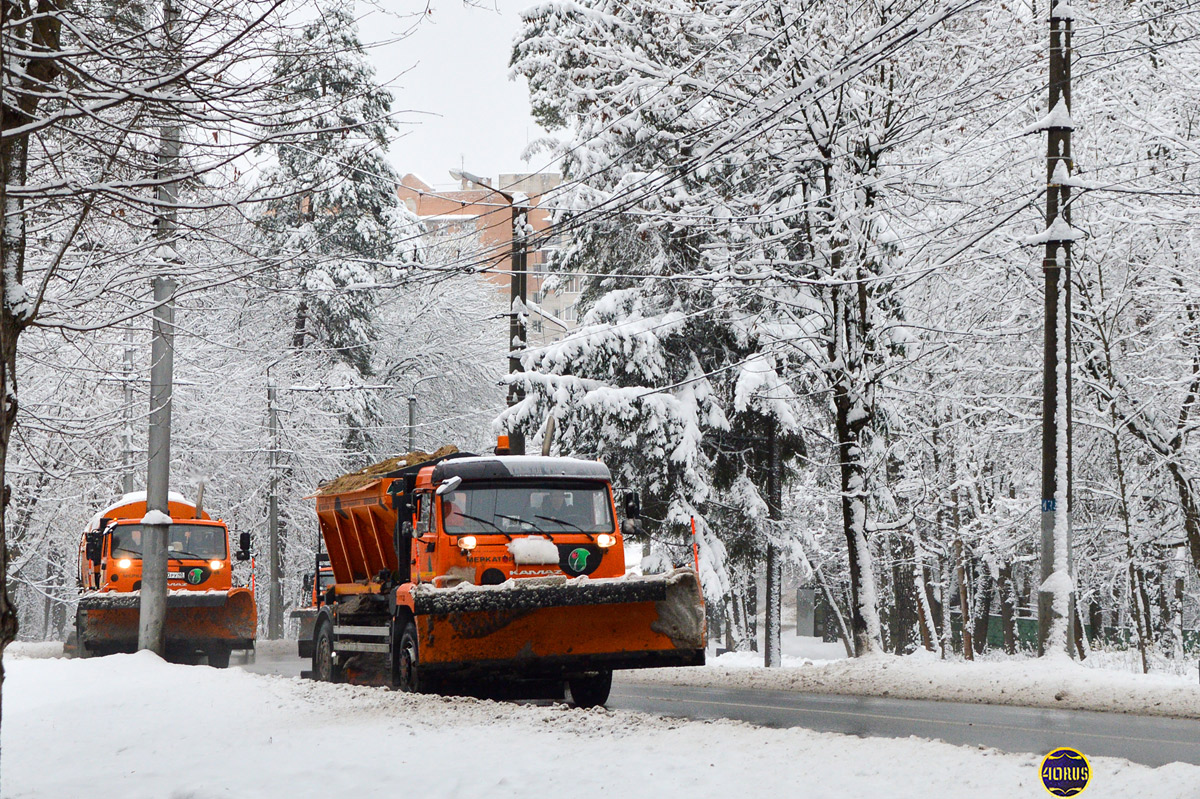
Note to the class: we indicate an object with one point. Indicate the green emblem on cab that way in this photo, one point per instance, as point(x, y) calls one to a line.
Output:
point(577, 560)
point(195, 576)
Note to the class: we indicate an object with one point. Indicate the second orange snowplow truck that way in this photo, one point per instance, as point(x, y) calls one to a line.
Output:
point(206, 613)
point(503, 574)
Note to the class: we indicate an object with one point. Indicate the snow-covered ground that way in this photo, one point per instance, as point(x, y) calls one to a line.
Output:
point(1105, 683)
point(134, 726)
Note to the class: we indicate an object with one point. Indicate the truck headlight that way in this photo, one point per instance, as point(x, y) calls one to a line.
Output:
point(467, 542)
point(605, 540)
point(124, 563)
point(215, 565)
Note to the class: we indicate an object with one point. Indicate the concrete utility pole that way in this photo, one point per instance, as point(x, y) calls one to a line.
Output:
point(127, 415)
point(772, 655)
point(412, 421)
point(275, 581)
point(154, 538)
point(1055, 631)
point(519, 294)
point(153, 603)
point(412, 411)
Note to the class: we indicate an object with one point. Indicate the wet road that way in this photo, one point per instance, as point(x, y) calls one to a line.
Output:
point(1143, 739)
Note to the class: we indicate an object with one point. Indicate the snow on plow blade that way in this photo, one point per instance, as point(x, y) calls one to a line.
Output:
point(194, 617)
point(549, 626)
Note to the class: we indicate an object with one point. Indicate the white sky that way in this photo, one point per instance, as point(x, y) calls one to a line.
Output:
point(451, 77)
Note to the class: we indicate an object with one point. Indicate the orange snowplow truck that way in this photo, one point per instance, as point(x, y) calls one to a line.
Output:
point(498, 575)
point(206, 614)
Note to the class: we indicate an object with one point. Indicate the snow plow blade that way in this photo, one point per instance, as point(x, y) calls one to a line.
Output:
point(552, 626)
point(109, 620)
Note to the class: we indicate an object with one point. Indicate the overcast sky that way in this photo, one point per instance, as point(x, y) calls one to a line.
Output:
point(451, 75)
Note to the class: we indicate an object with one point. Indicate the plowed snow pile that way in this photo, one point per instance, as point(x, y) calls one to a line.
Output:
point(1030, 682)
point(133, 726)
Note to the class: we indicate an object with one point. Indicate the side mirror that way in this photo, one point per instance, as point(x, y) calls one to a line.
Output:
point(243, 552)
point(633, 505)
point(449, 485)
point(93, 546)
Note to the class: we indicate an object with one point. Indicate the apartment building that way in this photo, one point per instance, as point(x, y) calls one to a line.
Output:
point(471, 224)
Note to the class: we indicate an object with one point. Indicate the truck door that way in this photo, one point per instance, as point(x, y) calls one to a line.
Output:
point(426, 537)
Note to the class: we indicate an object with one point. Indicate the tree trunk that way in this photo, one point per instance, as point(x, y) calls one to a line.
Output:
point(925, 617)
point(300, 326)
point(851, 418)
point(1008, 608)
point(904, 618)
point(40, 36)
point(983, 611)
point(835, 609)
point(961, 571)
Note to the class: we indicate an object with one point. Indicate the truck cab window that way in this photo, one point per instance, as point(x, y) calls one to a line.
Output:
point(424, 506)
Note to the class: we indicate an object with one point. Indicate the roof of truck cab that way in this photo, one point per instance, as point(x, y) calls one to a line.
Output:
point(133, 505)
point(500, 467)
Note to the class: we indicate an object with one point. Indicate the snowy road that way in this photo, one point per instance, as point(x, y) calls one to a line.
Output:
point(1152, 741)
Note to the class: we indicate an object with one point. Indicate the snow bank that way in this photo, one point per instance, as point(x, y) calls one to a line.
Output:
point(23, 650)
point(170, 732)
point(1027, 682)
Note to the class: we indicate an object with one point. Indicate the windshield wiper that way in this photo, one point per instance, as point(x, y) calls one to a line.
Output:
point(485, 521)
point(180, 554)
point(519, 520)
point(566, 521)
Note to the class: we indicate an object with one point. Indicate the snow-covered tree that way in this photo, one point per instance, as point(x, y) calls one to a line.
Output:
point(333, 221)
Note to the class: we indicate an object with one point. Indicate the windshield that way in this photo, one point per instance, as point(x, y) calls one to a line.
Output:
point(528, 508)
point(196, 541)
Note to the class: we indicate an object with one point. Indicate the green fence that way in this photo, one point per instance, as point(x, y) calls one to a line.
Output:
point(1026, 630)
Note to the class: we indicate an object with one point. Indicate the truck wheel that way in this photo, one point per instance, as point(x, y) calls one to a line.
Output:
point(408, 670)
point(218, 657)
point(323, 666)
point(591, 689)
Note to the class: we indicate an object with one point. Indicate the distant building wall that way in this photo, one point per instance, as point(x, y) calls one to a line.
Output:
point(473, 226)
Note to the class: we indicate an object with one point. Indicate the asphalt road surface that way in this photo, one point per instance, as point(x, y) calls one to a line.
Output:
point(1149, 740)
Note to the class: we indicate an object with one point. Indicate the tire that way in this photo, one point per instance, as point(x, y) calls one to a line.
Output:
point(218, 657)
point(591, 689)
point(323, 667)
point(408, 661)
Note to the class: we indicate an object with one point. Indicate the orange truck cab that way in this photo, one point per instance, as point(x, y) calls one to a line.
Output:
point(206, 613)
point(502, 571)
